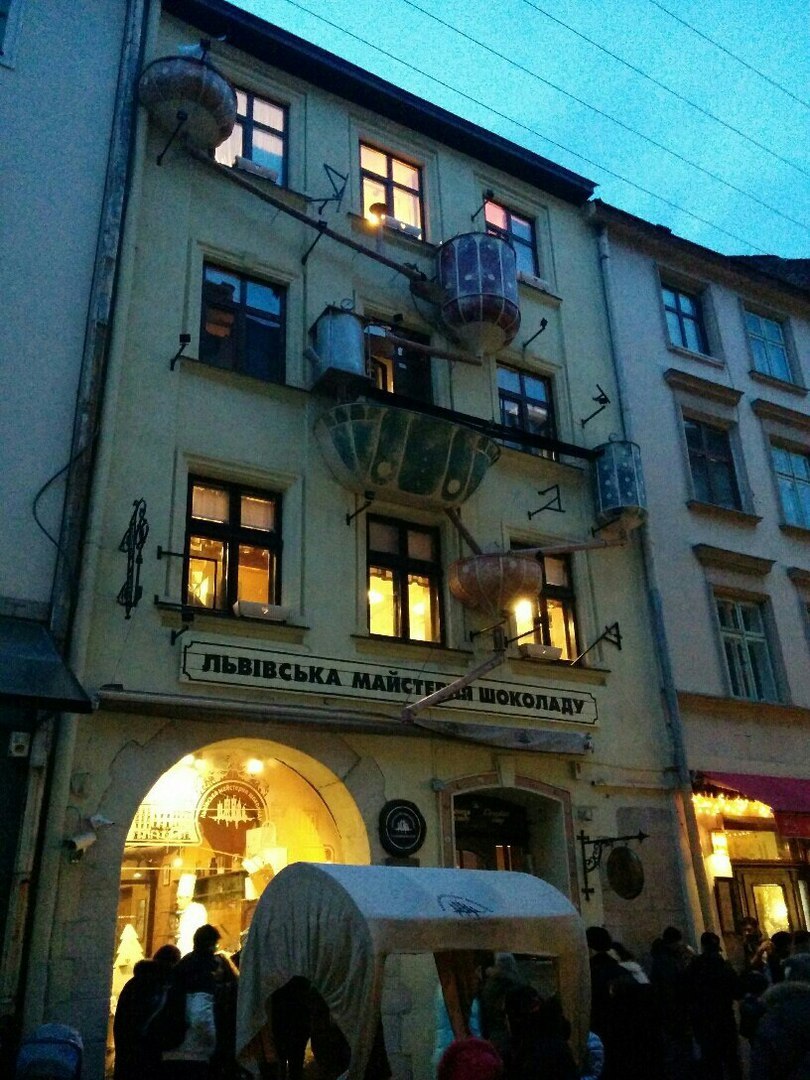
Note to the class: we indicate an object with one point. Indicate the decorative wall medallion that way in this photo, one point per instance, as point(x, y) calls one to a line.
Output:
point(402, 827)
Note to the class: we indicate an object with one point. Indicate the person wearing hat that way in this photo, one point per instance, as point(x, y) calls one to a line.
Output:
point(780, 1049)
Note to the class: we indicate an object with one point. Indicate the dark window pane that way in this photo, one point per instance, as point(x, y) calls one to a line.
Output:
point(262, 355)
point(420, 545)
point(263, 297)
point(508, 380)
point(692, 337)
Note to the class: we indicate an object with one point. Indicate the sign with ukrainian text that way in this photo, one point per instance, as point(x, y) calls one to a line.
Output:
point(268, 669)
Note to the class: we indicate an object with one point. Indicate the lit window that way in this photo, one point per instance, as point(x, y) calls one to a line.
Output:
point(233, 546)
point(746, 651)
point(767, 340)
point(550, 618)
point(404, 577)
point(793, 476)
point(260, 135)
point(684, 315)
point(526, 405)
point(712, 464)
point(519, 231)
point(242, 324)
point(396, 368)
point(391, 183)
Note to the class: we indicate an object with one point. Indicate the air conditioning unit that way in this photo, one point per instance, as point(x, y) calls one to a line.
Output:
point(531, 651)
point(248, 166)
point(252, 609)
point(401, 226)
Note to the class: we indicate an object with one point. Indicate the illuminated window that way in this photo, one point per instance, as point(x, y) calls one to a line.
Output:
point(242, 324)
point(233, 546)
point(404, 577)
point(768, 347)
point(684, 315)
point(526, 405)
point(793, 476)
point(397, 368)
point(260, 135)
point(550, 618)
point(746, 649)
point(392, 183)
point(519, 231)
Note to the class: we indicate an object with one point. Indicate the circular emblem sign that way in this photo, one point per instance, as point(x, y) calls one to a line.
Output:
point(402, 827)
point(625, 873)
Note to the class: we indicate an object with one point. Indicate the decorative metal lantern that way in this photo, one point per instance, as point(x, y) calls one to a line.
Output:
point(620, 496)
point(405, 456)
point(478, 274)
point(174, 87)
point(493, 583)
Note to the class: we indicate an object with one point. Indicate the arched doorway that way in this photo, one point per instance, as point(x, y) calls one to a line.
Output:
point(523, 825)
point(213, 831)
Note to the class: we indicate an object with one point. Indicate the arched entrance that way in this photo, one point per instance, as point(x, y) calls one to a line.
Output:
point(213, 831)
point(522, 824)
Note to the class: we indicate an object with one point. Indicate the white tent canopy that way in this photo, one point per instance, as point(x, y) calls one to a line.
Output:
point(335, 925)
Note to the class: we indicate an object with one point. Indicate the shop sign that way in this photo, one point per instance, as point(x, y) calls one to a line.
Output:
point(228, 664)
point(402, 827)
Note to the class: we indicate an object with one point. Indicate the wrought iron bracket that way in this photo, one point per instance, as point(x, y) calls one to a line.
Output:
point(611, 634)
point(182, 117)
point(489, 195)
point(132, 543)
point(592, 862)
point(369, 497)
point(528, 341)
point(185, 339)
point(602, 400)
point(554, 502)
point(175, 634)
point(338, 191)
point(322, 227)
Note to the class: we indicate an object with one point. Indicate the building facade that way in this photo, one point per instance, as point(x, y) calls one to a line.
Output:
point(361, 360)
point(713, 356)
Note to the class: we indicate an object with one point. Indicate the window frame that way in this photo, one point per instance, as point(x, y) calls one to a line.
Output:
point(744, 637)
point(417, 365)
point(390, 184)
point(524, 401)
point(566, 596)
point(277, 366)
point(793, 451)
point(249, 124)
point(518, 242)
point(10, 17)
point(689, 417)
point(750, 336)
point(401, 566)
point(231, 536)
point(697, 297)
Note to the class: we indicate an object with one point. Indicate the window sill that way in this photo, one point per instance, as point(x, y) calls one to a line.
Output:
point(173, 614)
point(723, 513)
point(778, 384)
point(559, 670)
point(701, 358)
point(800, 532)
point(526, 461)
point(536, 284)
point(211, 371)
point(364, 227)
point(378, 645)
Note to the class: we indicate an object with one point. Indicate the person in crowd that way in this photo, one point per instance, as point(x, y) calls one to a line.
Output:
point(539, 1034)
point(670, 959)
point(754, 944)
point(499, 978)
point(778, 952)
point(139, 998)
point(470, 1059)
point(207, 980)
point(605, 968)
point(629, 963)
point(753, 985)
point(801, 941)
point(780, 1048)
point(593, 1059)
point(713, 987)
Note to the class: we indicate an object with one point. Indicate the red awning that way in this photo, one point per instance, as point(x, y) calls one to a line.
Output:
point(787, 796)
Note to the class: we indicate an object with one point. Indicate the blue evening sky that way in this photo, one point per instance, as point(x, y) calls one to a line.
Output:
point(508, 66)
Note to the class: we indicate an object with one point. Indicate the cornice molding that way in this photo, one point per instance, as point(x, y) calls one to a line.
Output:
point(707, 555)
point(768, 410)
point(693, 384)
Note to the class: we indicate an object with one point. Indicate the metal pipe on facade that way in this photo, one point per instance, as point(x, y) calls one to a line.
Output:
point(686, 814)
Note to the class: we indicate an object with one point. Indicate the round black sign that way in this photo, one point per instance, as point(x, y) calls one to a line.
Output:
point(402, 827)
point(625, 873)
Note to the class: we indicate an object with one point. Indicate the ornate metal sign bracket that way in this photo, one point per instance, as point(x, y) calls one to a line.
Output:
point(593, 861)
point(132, 543)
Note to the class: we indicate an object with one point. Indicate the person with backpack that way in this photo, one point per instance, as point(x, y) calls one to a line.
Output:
point(201, 980)
point(138, 1000)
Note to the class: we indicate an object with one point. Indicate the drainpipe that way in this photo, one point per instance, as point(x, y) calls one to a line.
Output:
point(87, 425)
point(692, 866)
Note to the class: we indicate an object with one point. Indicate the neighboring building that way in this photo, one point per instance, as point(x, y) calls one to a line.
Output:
point(313, 448)
point(713, 355)
point(62, 168)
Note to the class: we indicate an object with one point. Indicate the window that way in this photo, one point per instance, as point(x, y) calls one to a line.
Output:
point(396, 368)
point(242, 324)
point(550, 618)
point(233, 546)
point(793, 476)
point(392, 183)
point(9, 22)
point(745, 647)
point(767, 340)
point(260, 134)
point(712, 464)
point(404, 577)
point(684, 319)
point(526, 404)
point(519, 231)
